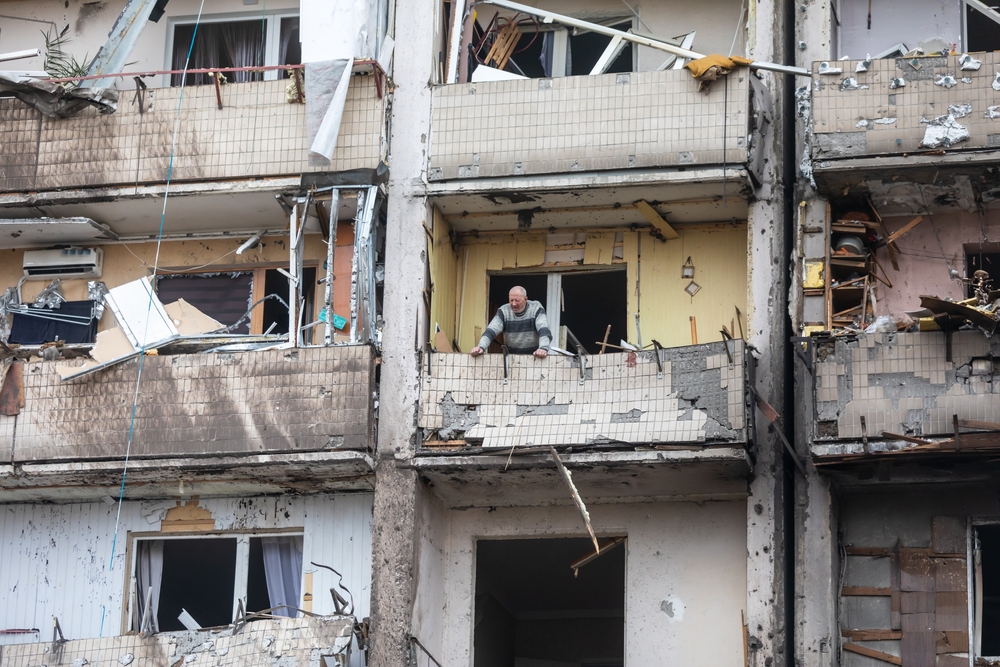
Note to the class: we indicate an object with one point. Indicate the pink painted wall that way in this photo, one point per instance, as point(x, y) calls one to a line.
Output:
point(928, 251)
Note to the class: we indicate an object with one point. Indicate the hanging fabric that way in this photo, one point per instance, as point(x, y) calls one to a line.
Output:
point(283, 572)
point(149, 575)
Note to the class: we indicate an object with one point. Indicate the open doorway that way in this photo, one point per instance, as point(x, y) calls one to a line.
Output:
point(585, 302)
point(532, 612)
point(988, 585)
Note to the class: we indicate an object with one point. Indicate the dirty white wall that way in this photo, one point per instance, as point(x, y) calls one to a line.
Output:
point(928, 251)
point(90, 22)
point(895, 21)
point(684, 559)
point(431, 565)
point(55, 558)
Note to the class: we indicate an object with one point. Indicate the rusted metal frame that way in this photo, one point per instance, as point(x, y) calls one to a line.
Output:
point(864, 435)
point(363, 322)
point(506, 368)
point(297, 77)
point(218, 89)
point(331, 247)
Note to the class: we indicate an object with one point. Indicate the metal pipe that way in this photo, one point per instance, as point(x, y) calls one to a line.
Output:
point(293, 276)
point(19, 55)
point(637, 39)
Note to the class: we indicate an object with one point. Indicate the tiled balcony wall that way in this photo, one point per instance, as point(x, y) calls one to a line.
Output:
point(875, 119)
point(294, 642)
point(903, 384)
point(586, 123)
point(699, 397)
point(196, 404)
point(256, 133)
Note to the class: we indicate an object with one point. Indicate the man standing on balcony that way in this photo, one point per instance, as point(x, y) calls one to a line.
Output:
point(523, 324)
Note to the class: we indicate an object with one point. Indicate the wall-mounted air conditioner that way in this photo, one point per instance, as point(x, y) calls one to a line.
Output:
point(63, 263)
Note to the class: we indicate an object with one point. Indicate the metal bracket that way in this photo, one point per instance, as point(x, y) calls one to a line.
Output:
point(430, 351)
point(659, 362)
point(505, 368)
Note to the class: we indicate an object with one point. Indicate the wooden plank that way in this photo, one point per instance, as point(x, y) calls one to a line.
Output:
point(599, 249)
point(868, 551)
point(872, 635)
point(656, 220)
point(872, 653)
point(869, 591)
point(948, 534)
point(951, 611)
point(12, 390)
point(916, 602)
point(918, 648)
point(949, 574)
point(952, 642)
point(916, 571)
point(895, 236)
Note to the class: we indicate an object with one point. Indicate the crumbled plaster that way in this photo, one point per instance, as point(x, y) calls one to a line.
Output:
point(944, 131)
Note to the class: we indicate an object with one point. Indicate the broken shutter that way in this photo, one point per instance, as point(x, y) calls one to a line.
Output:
point(224, 296)
point(927, 624)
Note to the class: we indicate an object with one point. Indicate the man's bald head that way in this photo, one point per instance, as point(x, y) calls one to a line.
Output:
point(517, 298)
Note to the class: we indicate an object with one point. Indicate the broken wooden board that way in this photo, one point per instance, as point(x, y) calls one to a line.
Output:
point(12, 390)
point(960, 312)
point(872, 653)
point(656, 220)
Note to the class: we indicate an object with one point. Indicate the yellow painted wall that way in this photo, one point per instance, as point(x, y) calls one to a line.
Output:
point(720, 260)
point(656, 289)
point(124, 263)
point(443, 262)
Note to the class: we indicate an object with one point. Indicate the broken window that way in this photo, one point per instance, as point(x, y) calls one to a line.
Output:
point(208, 577)
point(544, 50)
point(530, 608)
point(272, 40)
point(228, 296)
point(580, 305)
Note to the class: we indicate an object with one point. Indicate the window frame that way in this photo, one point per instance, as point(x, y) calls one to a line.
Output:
point(272, 34)
point(129, 624)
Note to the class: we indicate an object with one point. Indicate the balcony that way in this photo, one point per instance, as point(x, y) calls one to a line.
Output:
point(892, 400)
point(939, 121)
point(316, 640)
point(637, 121)
point(257, 133)
point(683, 423)
point(275, 416)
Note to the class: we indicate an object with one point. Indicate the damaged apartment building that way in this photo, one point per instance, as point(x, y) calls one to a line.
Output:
point(191, 316)
point(619, 502)
point(248, 248)
point(894, 309)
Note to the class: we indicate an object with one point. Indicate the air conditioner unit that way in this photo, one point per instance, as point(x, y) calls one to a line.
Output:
point(63, 263)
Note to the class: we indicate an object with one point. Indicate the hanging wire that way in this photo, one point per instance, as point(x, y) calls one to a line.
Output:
point(149, 304)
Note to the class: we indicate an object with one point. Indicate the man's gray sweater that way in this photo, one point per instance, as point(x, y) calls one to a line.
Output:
point(523, 332)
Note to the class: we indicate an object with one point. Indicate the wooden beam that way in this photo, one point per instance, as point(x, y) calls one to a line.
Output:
point(895, 236)
point(872, 635)
point(872, 653)
point(656, 220)
point(866, 591)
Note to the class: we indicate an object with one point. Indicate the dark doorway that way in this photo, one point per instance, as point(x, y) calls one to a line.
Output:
point(531, 610)
point(535, 284)
point(592, 301)
point(276, 312)
point(989, 544)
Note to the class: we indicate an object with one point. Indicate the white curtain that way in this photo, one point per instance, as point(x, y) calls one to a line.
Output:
point(149, 574)
point(283, 571)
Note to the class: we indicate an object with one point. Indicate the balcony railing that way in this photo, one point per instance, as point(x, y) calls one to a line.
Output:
point(691, 396)
point(256, 133)
point(902, 106)
point(885, 392)
point(222, 404)
point(315, 640)
point(638, 120)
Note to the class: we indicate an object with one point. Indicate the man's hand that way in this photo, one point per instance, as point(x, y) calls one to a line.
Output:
point(476, 351)
point(540, 353)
